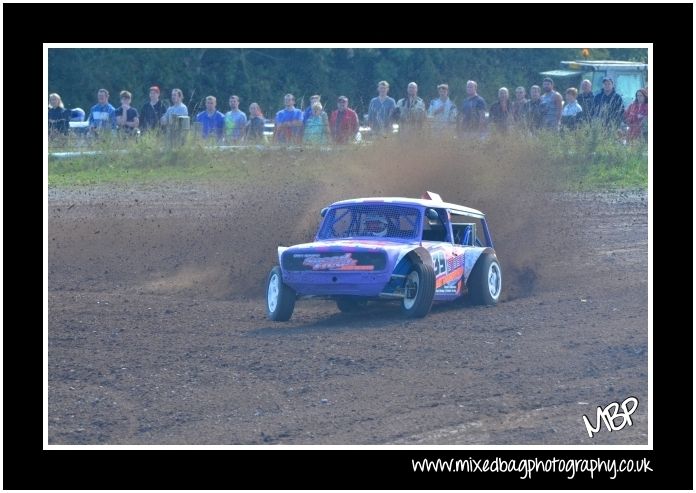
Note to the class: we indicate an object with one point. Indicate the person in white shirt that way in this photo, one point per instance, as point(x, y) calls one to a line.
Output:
point(442, 113)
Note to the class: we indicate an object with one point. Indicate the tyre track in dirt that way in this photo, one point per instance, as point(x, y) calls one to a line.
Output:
point(157, 329)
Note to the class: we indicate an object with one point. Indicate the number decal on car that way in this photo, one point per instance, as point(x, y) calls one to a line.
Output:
point(439, 263)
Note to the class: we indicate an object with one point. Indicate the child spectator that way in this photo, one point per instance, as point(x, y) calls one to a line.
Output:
point(126, 116)
point(572, 111)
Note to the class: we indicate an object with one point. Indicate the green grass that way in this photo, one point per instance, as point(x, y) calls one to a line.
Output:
point(109, 168)
point(589, 160)
point(584, 160)
point(150, 160)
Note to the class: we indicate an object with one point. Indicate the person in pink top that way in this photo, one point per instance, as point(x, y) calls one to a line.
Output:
point(637, 114)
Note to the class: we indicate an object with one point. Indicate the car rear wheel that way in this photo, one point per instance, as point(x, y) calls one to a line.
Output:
point(349, 305)
point(419, 291)
point(280, 298)
point(486, 281)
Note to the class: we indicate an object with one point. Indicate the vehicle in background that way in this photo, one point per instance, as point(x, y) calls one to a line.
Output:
point(628, 76)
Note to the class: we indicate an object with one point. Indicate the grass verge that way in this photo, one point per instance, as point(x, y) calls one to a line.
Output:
point(583, 160)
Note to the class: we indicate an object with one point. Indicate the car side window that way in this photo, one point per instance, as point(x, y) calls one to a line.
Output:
point(466, 229)
point(464, 233)
point(433, 227)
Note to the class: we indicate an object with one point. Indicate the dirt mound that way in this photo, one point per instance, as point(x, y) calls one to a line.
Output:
point(503, 178)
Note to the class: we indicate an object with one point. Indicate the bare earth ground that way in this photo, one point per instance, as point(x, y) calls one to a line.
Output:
point(157, 330)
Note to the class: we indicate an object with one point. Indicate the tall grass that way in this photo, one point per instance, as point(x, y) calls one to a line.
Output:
point(587, 158)
point(592, 157)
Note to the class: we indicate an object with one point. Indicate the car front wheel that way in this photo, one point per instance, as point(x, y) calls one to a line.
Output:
point(280, 298)
point(419, 291)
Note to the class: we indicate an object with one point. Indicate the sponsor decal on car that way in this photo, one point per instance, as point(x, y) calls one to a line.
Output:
point(448, 270)
point(341, 262)
point(449, 278)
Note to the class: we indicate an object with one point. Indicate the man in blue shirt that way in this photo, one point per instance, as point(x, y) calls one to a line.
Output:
point(288, 123)
point(380, 110)
point(472, 113)
point(212, 121)
point(102, 115)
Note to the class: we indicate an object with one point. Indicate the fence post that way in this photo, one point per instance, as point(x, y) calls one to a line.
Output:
point(178, 130)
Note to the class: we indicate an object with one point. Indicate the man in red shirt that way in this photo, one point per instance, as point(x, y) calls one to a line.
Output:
point(343, 123)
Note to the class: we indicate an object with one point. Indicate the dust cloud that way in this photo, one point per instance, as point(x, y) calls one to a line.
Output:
point(218, 240)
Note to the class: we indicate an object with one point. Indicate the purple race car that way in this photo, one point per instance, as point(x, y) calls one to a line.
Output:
point(415, 251)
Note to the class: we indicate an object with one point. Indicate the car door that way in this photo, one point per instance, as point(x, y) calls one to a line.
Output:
point(448, 257)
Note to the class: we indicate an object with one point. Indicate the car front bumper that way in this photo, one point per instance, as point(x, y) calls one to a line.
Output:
point(309, 283)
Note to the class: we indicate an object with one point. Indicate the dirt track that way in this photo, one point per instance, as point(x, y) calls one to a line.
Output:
point(157, 330)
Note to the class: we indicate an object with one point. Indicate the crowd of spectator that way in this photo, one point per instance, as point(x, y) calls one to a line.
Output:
point(544, 110)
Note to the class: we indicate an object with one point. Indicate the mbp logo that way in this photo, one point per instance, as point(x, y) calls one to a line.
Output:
point(609, 415)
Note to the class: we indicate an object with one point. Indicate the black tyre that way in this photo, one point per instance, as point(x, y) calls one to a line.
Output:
point(486, 281)
point(420, 290)
point(280, 298)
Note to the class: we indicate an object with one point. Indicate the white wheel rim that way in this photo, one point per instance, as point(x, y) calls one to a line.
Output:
point(273, 292)
point(411, 278)
point(494, 280)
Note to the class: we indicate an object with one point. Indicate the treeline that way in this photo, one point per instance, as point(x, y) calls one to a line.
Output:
point(266, 75)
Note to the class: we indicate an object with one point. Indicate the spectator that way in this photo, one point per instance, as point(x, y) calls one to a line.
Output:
point(253, 131)
point(534, 116)
point(152, 111)
point(501, 112)
point(177, 109)
point(380, 110)
point(288, 123)
point(551, 106)
point(309, 111)
point(126, 116)
point(211, 120)
point(586, 100)
point(235, 122)
point(102, 114)
point(344, 123)
point(608, 105)
point(472, 113)
point(442, 112)
point(636, 115)
point(410, 112)
point(58, 116)
point(572, 111)
point(520, 106)
point(316, 127)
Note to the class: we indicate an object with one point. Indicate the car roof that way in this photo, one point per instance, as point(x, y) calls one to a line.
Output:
point(605, 64)
point(408, 201)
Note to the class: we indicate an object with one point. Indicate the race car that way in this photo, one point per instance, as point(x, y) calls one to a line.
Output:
point(414, 251)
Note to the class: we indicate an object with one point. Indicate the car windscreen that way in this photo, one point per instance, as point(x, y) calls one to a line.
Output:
point(371, 221)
